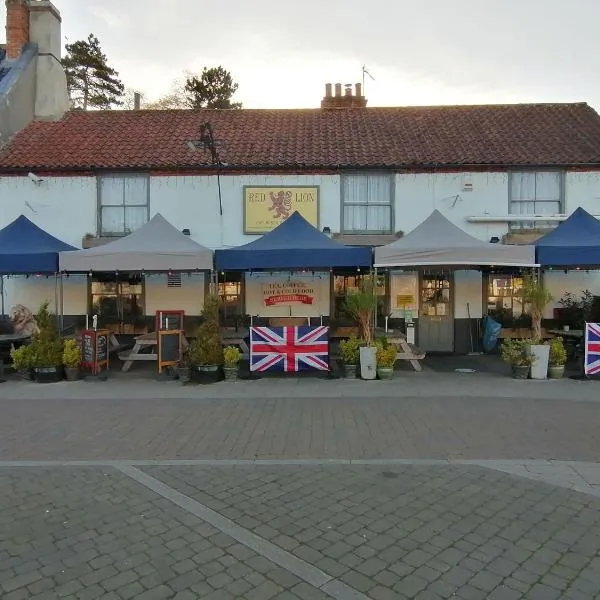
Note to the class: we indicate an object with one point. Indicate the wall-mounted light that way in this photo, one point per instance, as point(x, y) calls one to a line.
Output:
point(327, 232)
point(494, 239)
point(186, 231)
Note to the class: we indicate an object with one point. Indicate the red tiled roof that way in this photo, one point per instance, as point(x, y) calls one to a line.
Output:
point(405, 137)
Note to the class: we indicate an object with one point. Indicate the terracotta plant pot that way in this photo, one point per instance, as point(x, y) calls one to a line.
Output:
point(71, 373)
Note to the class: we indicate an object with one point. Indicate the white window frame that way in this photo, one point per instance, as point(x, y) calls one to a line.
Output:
point(389, 203)
point(123, 176)
point(523, 224)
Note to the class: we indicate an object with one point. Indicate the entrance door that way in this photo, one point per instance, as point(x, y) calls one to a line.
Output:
point(436, 319)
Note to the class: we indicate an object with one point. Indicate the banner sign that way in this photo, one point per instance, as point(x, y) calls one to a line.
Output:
point(592, 348)
point(267, 207)
point(289, 292)
point(289, 349)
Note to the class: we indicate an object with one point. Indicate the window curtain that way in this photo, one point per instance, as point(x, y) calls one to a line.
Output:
point(367, 202)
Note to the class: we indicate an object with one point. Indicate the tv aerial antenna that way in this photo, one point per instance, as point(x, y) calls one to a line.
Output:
point(365, 72)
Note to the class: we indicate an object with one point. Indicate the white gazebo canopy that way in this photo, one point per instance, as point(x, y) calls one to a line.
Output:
point(437, 241)
point(157, 246)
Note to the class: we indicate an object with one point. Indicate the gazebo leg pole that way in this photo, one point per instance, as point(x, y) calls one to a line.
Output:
point(62, 303)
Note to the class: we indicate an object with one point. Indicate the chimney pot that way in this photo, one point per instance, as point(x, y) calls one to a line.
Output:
point(358, 90)
point(348, 89)
point(338, 89)
point(328, 93)
point(137, 101)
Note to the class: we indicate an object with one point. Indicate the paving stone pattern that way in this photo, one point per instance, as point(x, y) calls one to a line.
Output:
point(94, 533)
point(387, 532)
point(122, 427)
point(423, 532)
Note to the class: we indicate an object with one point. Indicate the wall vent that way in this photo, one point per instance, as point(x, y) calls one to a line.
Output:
point(174, 280)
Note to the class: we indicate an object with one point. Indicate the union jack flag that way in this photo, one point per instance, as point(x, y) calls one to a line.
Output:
point(289, 349)
point(592, 348)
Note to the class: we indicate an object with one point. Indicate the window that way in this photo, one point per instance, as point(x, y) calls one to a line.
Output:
point(504, 303)
point(118, 302)
point(123, 201)
point(230, 292)
point(367, 203)
point(348, 284)
point(536, 193)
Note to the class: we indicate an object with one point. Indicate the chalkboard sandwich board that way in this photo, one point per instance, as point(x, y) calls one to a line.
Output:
point(169, 348)
point(94, 350)
point(169, 319)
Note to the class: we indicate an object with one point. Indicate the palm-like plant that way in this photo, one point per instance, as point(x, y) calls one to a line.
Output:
point(361, 306)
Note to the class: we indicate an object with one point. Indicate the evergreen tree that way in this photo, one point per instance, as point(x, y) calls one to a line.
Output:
point(92, 82)
point(213, 89)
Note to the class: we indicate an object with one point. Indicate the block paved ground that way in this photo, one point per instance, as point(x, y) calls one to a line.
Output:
point(281, 420)
point(293, 532)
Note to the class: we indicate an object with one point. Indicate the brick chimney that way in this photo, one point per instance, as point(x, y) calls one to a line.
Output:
point(17, 27)
point(348, 99)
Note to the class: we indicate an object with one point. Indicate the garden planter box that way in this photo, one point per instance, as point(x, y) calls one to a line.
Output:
point(48, 374)
point(206, 374)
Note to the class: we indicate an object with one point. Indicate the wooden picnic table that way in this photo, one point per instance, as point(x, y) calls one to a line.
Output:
point(143, 342)
point(232, 337)
point(406, 351)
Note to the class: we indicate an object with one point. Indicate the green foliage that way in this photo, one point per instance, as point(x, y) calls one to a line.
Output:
point(350, 350)
point(361, 306)
point(91, 81)
point(231, 356)
point(386, 356)
point(516, 352)
point(214, 88)
point(536, 297)
point(206, 349)
point(575, 312)
point(558, 353)
point(71, 354)
point(46, 345)
point(23, 357)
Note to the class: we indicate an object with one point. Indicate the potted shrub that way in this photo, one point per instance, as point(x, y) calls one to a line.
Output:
point(182, 370)
point(557, 359)
point(350, 351)
point(71, 358)
point(231, 358)
point(47, 348)
point(205, 352)
point(536, 297)
point(361, 306)
point(386, 358)
point(516, 353)
point(22, 361)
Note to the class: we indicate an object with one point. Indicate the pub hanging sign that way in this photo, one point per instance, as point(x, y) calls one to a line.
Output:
point(267, 207)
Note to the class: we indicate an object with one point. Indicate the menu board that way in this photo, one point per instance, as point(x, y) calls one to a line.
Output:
point(94, 350)
point(169, 348)
point(169, 319)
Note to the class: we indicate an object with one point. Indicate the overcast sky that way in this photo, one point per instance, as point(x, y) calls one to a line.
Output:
point(419, 51)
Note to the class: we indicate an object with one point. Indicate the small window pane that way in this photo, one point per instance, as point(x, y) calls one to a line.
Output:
point(111, 191)
point(136, 190)
point(135, 217)
point(113, 220)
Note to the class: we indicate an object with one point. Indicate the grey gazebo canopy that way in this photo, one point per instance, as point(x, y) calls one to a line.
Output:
point(437, 241)
point(157, 246)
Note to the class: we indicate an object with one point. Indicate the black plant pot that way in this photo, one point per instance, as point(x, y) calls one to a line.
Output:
point(520, 371)
point(206, 373)
point(48, 374)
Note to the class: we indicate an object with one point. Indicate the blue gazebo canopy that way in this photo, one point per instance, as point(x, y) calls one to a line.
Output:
point(575, 242)
point(295, 244)
point(25, 248)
